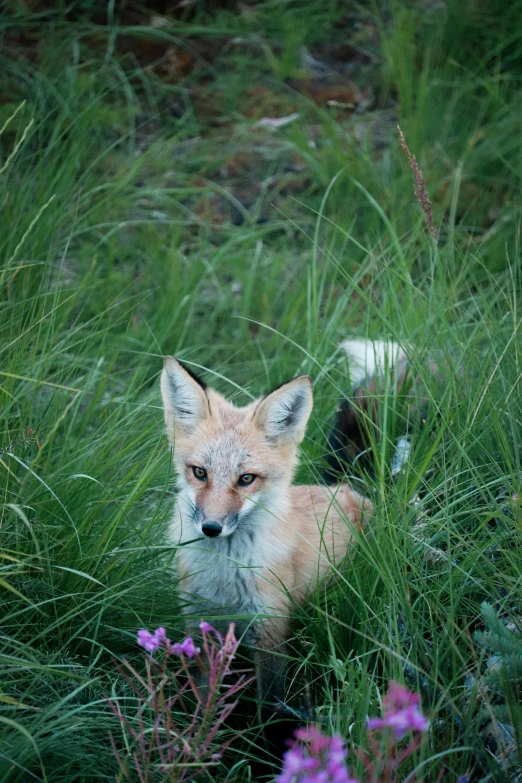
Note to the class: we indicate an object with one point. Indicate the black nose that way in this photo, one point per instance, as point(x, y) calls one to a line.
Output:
point(211, 529)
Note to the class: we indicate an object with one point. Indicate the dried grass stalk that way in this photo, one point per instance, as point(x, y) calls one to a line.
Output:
point(419, 187)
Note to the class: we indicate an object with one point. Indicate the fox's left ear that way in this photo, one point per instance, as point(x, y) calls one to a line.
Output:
point(284, 413)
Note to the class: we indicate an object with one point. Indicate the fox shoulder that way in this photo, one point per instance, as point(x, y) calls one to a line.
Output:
point(328, 503)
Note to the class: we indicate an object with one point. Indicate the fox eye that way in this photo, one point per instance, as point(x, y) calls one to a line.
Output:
point(246, 479)
point(199, 473)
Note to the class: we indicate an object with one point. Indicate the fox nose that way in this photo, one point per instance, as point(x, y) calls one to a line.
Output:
point(211, 529)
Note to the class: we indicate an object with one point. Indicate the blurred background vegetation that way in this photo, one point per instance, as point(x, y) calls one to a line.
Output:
point(224, 182)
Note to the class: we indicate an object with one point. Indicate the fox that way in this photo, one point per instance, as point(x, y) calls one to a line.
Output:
point(250, 542)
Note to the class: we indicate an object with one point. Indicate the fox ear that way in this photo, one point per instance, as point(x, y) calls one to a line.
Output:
point(185, 402)
point(284, 413)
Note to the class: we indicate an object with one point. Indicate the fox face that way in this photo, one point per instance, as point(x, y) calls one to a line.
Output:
point(232, 463)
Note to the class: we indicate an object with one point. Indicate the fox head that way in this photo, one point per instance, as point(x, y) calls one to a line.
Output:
point(231, 462)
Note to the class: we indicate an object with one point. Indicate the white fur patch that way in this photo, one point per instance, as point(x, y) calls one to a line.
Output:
point(371, 357)
point(248, 504)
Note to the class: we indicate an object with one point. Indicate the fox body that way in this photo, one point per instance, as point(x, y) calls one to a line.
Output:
point(253, 543)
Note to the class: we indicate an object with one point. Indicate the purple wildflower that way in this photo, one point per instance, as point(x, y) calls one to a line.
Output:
point(186, 647)
point(150, 641)
point(161, 634)
point(153, 641)
point(401, 712)
point(207, 628)
point(401, 722)
point(318, 759)
point(399, 698)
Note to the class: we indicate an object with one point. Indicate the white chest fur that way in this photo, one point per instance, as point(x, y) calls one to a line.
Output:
point(229, 575)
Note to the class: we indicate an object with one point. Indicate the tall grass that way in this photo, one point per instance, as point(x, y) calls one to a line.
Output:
point(143, 215)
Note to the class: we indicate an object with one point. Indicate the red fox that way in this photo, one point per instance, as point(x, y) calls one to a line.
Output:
point(252, 542)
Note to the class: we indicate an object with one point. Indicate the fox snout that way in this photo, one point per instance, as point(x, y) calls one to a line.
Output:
point(213, 525)
point(211, 529)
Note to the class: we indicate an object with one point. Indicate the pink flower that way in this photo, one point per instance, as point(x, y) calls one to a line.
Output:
point(161, 634)
point(399, 698)
point(186, 647)
point(401, 712)
point(148, 640)
point(153, 641)
point(207, 628)
point(319, 759)
point(311, 734)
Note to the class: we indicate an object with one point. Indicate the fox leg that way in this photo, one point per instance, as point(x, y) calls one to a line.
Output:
point(279, 721)
point(270, 661)
point(270, 673)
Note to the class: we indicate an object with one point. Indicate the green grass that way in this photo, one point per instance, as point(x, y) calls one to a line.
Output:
point(144, 213)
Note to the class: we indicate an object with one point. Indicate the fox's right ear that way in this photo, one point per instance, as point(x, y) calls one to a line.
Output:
point(185, 402)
